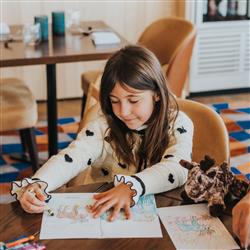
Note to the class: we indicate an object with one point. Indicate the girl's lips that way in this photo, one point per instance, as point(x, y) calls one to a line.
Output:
point(128, 120)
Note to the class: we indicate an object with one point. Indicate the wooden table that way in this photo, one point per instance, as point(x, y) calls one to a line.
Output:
point(14, 222)
point(59, 49)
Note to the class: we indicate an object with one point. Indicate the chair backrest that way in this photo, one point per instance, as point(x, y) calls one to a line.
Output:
point(18, 107)
point(210, 133)
point(178, 67)
point(164, 36)
point(172, 41)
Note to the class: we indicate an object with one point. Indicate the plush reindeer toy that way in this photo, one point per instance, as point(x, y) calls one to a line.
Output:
point(214, 184)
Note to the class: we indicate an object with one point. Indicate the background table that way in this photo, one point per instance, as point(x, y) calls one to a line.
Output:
point(59, 49)
point(14, 222)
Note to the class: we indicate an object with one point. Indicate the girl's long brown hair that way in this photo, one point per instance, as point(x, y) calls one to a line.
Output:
point(138, 68)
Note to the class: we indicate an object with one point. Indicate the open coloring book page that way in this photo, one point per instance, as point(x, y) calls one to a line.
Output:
point(192, 227)
point(72, 220)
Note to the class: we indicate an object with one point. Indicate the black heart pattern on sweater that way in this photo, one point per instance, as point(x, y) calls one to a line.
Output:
point(168, 156)
point(171, 178)
point(181, 130)
point(89, 133)
point(68, 158)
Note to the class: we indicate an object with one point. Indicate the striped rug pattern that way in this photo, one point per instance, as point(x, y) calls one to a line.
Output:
point(237, 119)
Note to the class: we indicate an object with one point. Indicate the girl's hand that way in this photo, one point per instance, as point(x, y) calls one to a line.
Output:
point(32, 199)
point(118, 197)
point(241, 220)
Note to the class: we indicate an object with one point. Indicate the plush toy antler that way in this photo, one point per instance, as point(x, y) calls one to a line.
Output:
point(206, 163)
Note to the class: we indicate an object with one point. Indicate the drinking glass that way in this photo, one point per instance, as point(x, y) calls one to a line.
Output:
point(73, 18)
point(32, 34)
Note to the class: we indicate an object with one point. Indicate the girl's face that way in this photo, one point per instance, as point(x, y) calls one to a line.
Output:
point(132, 106)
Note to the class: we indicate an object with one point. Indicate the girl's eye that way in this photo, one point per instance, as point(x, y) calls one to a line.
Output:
point(133, 101)
point(113, 101)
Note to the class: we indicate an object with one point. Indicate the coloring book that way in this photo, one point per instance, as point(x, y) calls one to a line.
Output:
point(192, 227)
point(72, 220)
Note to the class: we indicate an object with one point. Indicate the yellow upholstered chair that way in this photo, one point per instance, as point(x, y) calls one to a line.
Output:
point(179, 50)
point(172, 41)
point(210, 135)
point(19, 112)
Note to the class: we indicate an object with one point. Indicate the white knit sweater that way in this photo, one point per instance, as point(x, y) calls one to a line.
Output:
point(90, 149)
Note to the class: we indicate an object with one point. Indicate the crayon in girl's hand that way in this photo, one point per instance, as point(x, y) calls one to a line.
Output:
point(47, 208)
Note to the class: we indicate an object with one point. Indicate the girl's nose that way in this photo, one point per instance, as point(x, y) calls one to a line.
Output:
point(124, 110)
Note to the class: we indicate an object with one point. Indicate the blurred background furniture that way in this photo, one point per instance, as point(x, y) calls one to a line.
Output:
point(60, 49)
point(221, 56)
point(210, 135)
point(172, 41)
point(19, 112)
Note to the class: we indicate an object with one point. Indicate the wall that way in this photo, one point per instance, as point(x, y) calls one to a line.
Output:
point(131, 17)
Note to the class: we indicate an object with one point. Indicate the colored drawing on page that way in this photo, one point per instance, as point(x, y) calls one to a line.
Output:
point(199, 225)
point(192, 227)
point(145, 210)
point(72, 219)
point(75, 213)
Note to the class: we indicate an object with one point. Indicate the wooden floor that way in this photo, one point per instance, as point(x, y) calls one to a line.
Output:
point(66, 108)
point(69, 108)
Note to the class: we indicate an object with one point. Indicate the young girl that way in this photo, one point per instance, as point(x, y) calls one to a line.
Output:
point(137, 141)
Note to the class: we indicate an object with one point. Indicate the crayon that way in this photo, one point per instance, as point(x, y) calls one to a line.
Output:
point(20, 241)
point(31, 246)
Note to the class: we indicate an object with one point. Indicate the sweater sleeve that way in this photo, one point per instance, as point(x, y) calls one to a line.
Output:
point(69, 162)
point(168, 173)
